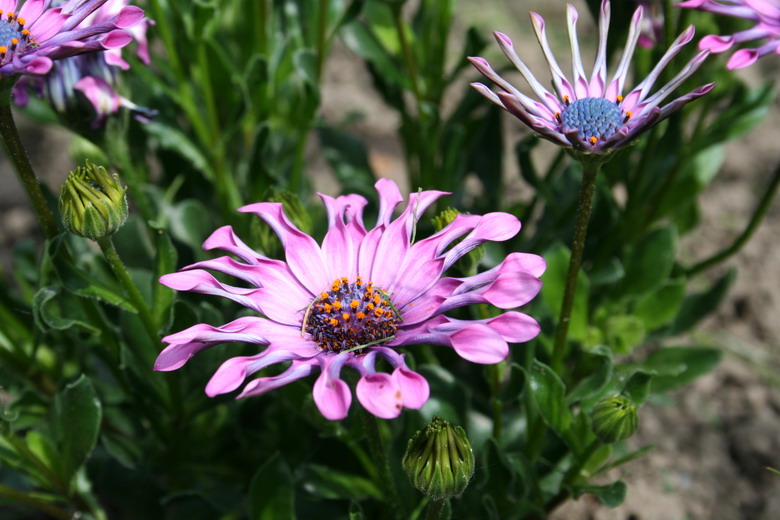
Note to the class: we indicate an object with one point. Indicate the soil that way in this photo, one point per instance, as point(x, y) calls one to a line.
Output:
point(714, 439)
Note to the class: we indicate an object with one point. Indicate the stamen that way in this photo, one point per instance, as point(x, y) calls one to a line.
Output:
point(593, 140)
point(3, 49)
point(21, 21)
point(619, 98)
point(628, 117)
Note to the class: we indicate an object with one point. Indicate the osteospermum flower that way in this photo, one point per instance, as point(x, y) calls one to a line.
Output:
point(33, 35)
point(590, 115)
point(354, 299)
point(764, 13)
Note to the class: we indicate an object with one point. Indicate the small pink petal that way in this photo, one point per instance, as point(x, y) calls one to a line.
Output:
point(414, 388)
point(332, 395)
point(479, 343)
point(38, 66)
point(379, 394)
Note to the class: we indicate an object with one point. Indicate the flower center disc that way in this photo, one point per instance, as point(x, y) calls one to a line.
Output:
point(14, 38)
point(350, 315)
point(592, 117)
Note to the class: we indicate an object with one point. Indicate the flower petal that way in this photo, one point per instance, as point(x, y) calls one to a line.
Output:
point(379, 394)
point(332, 395)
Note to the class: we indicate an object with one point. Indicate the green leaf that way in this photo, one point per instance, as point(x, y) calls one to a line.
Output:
point(699, 305)
point(624, 333)
point(659, 307)
point(611, 495)
point(549, 394)
point(554, 280)
point(348, 157)
point(678, 366)
point(175, 140)
point(50, 309)
point(637, 387)
point(165, 262)
point(326, 482)
point(362, 42)
point(77, 416)
point(81, 282)
point(597, 380)
point(651, 262)
point(271, 495)
point(189, 222)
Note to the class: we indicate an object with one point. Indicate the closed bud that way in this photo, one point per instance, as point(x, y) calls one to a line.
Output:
point(439, 461)
point(92, 203)
point(469, 262)
point(614, 419)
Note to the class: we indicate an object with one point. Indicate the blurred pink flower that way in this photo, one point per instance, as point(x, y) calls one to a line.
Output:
point(356, 297)
point(764, 13)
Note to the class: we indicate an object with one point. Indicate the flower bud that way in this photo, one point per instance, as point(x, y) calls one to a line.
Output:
point(439, 461)
point(614, 419)
point(470, 261)
point(92, 203)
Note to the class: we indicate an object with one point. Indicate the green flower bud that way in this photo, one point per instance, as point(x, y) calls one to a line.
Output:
point(470, 261)
point(439, 461)
point(92, 203)
point(614, 419)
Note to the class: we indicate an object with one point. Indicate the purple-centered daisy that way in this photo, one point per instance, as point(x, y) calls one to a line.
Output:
point(354, 299)
point(764, 13)
point(591, 115)
point(34, 35)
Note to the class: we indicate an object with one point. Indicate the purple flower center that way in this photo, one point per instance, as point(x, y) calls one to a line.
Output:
point(351, 315)
point(14, 38)
point(594, 119)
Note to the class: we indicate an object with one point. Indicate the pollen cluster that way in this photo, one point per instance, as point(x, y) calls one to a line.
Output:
point(14, 38)
point(350, 315)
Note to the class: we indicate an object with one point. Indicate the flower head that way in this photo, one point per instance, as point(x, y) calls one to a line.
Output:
point(764, 13)
point(35, 35)
point(592, 116)
point(93, 76)
point(354, 299)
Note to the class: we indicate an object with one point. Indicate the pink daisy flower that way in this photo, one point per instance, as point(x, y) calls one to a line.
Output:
point(32, 35)
point(355, 299)
point(592, 115)
point(764, 13)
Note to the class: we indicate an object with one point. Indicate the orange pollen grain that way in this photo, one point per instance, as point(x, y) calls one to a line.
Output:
point(628, 115)
point(360, 315)
point(334, 321)
point(354, 304)
point(593, 139)
point(377, 299)
point(14, 41)
point(327, 307)
point(370, 306)
point(378, 312)
point(21, 21)
point(324, 296)
point(344, 280)
point(3, 49)
point(345, 316)
point(619, 99)
point(337, 306)
point(25, 32)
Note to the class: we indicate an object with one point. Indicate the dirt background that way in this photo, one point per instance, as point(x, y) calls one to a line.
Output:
point(714, 439)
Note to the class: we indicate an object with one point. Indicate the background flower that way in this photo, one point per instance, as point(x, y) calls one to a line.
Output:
point(764, 13)
point(352, 299)
point(591, 115)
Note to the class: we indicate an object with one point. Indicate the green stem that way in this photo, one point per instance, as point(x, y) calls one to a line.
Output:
point(755, 220)
point(434, 510)
point(12, 144)
point(376, 449)
point(495, 375)
point(14, 495)
point(322, 37)
point(590, 173)
point(121, 273)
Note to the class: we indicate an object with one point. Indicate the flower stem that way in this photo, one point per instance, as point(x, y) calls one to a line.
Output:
point(14, 148)
point(755, 220)
point(435, 509)
point(376, 449)
point(121, 273)
point(584, 205)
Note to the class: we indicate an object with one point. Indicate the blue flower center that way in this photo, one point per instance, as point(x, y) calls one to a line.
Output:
point(14, 38)
point(350, 316)
point(593, 118)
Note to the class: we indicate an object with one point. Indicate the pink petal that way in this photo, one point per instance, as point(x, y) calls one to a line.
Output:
point(716, 43)
point(30, 11)
point(232, 373)
point(116, 39)
point(389, 197)
point(47, 25)
point(129, 16)
point(224, 238)
point(38, 66)
point(414, 388)
point(742, 58)
point(261, 385)
point(379, 394)
point(479, 343)
point(332, 395)
point(514, 327)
